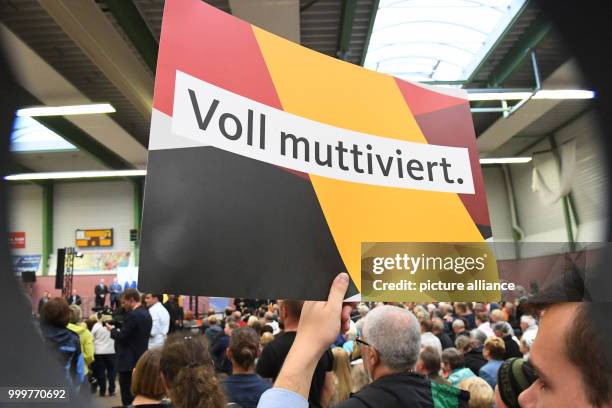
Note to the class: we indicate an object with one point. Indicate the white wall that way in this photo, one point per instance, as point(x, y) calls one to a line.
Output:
point(25, 214)
point(92, 205)
point(546, 223)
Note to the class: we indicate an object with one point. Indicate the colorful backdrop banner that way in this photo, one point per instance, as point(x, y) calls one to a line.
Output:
point(270, 164)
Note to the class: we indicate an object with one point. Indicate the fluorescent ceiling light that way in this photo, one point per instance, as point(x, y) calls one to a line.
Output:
point(76, 175)
point(67, 110)
point(558, 94)
point(505, 160)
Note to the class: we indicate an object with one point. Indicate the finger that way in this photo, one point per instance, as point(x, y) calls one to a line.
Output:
point(338, 290)
point(346, 318)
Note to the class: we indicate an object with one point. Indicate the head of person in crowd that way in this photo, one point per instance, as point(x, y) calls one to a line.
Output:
point(76, 314)
point(153, 298)
point(452, 359)
point(47, 295)
point(458, 326)
point(437, 325)
point(342, 375)
point(229, 310)
point(266, 338)
point(269, 317)
point(481, 318)
point(267, 329)
point(212, 320)
point(363, 310)
point(501, 329)
point(188, 373)
point(243, 349)
point(460, 309)
point(130, 299)
point(515, 375)
point(429, 364)
point(494, 349)
point(527, 322)
point(478, 337)
point(56, 313)
point(481, 394)
point(230, 326)
point(147, 386)
point(464, 344)
point(188, 315)
point(425, 325)
point(525, 346)
point(290, 312)
point(252, 320)
point(569, 358)
point(236, 315)
point(391, 341)
point(497, 316)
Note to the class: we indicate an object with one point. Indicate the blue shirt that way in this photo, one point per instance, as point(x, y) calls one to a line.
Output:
point(245, 389)
point(460, 374)
point(282, 398)
point(488, 372)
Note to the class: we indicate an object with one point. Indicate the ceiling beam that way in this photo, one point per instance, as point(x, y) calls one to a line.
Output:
point(133, 24)
point(346, 28)
point(366, 45)
point(86, 24)
point(280, 17)
point(520, 52)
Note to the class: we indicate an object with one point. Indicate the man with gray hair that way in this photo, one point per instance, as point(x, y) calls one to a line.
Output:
point(390, 349)
point(502, 330)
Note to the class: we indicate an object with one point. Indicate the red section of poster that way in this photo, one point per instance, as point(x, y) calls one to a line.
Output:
point(17, 240)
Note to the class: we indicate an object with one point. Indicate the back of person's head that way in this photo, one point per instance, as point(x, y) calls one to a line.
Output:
point(501, 328)
point(56, 313)
point(266, 337)
point(76, 314)
point(495, 347)
point(463, 343)
point(267, 329)
point(146, 380)
point(482, 317)
point(458, 325)
point(437, 325)
point(188, 373)
point(460, 308)
point(252, 320)
point(481, 393)
point(478, 337)
point(363, 310)
point(293, 308)
point(244, 347)
point(131, 294)
point(528, 321)
point(497, 315)
point(188, 315)
point(453, 358)
point(212, 320)
point(430, 359)
point(426, 325)
point(342, 371)
point(395, 334)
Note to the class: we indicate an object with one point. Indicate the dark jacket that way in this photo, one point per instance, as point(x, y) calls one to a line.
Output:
point(406, 390)
point(77, 300)
point(474, 359)
point(132, 339)
point(101, 290)
point(65, 346)
point(445, 340)
point(512, 349)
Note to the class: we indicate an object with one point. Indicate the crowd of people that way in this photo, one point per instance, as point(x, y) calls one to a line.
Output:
point(321, 354)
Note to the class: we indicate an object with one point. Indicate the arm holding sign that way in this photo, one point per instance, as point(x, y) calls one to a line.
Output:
point(319, 325)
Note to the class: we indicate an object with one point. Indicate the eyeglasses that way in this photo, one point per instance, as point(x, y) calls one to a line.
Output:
point(360, 341)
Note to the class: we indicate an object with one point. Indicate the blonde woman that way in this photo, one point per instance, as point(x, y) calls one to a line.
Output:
point(343, 382)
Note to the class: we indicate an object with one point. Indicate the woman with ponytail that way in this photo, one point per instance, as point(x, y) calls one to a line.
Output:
point(188, 374)
point(244, 387)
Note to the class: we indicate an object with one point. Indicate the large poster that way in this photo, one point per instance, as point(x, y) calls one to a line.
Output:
point(270, 164)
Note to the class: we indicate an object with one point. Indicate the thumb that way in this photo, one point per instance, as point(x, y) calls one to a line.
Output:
point(338, 289)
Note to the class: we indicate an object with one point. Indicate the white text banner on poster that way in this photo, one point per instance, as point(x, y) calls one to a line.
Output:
point(213, 116)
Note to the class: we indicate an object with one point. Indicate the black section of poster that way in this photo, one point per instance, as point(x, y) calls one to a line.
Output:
point(218, 224)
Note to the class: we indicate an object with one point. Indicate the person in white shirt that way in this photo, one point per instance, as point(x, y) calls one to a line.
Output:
point(483, 324)
point(161, 320)
point(104, 357)
point(428, 339)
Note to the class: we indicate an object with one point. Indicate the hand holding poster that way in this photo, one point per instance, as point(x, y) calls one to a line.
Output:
point(270, 164)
